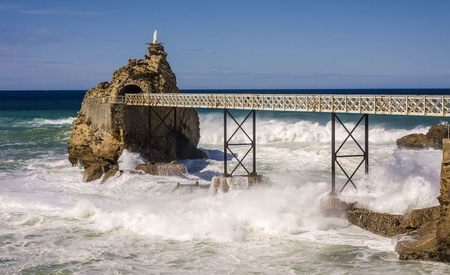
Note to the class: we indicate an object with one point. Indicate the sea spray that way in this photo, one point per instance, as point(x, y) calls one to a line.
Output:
point(50, 220)
point(277, 130)
point(129, 160)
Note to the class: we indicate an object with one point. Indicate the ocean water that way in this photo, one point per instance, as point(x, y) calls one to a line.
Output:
point(52, 222)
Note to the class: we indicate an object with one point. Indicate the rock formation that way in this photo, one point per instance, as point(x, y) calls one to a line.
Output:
point(429, 227)
point(432, 139)
point(103, 129)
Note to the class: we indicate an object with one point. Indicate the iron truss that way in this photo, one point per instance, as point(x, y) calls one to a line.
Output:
point(363, 156)
point(357, 104)
point(229, 145)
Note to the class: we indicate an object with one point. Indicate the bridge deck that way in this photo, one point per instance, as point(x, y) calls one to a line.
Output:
point(412, 105)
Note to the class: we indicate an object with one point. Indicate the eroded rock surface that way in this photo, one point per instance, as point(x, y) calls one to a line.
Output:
point(102, 130)
point(390, 224)
point(432, 139)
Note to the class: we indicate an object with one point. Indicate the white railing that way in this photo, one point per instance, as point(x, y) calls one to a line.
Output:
point(363, 104)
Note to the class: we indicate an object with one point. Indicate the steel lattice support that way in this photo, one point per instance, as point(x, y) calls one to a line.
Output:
point(335, 153)
point(164, 122)
point(227, 143)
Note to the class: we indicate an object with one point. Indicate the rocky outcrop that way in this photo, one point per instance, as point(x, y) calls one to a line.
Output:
point(429, 228)
point(432, 139)
point(103, 129)
point(389, 224)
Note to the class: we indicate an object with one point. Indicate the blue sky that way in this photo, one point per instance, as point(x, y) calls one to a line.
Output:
point(229, 44)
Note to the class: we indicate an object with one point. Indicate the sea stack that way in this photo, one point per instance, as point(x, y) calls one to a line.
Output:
point(104, 127)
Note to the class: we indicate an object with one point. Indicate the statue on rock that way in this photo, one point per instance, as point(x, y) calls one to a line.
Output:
point(102, 130)
point(155, 37)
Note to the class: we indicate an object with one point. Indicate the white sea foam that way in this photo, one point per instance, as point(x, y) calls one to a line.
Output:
point(129, 160)
point(138, 221)
point(282, 131)
point(46, 121)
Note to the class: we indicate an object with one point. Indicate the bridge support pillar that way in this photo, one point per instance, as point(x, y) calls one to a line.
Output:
point(228, 145)
point(165, 118)
point(335, 156)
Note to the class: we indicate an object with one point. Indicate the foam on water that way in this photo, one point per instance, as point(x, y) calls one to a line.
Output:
point(128, 160)
point(138, 223)
point(276, 130)
point(45, 121)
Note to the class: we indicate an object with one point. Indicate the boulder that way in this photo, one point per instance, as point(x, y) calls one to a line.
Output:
point(103, 128)
point(432, 139)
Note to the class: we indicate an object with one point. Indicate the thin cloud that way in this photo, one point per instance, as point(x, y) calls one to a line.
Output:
point(57, 12)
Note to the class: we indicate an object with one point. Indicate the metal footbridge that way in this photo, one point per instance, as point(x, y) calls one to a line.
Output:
point(364, 105)
point(405, 105)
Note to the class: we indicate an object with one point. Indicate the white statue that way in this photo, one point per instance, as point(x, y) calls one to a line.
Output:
point(155, 37)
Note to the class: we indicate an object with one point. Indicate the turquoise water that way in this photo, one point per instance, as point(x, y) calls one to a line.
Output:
point(52, 222)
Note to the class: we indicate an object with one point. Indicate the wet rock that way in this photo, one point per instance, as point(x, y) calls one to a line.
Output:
point(113, 172)
point(379, 223)
point(162, 169)
point(93, 172)
point(102, 129)
point(428, 228)
point(432, 139)
point(432, 240)
point(422, 246)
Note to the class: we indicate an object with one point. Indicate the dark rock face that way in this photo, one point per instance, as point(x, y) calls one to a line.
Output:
point(103, 130)
point(432, 139)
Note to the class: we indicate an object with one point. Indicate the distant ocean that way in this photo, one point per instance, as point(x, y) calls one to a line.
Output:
point(52, 222)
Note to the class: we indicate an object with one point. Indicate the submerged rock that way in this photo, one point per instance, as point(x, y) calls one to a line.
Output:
point(93, 172)
point(103, 129)
point(162, 169)
point(237, 182)
point(113, 172)
point(432, 139)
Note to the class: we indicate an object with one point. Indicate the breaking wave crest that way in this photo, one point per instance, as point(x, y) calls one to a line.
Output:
point(46, 121)
point(274, 130)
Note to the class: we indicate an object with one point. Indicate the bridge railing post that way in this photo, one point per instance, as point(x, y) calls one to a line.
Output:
point(366, 144)
point(333, 153)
